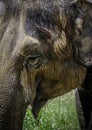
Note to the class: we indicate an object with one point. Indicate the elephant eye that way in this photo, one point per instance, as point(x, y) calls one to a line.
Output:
point(34, 61)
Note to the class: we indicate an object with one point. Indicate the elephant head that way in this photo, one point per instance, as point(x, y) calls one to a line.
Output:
point(37, 60)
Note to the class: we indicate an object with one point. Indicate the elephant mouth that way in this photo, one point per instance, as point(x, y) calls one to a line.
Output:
point(37, 107)
point(39, 101)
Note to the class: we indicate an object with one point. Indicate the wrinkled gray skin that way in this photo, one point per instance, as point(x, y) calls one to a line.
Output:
point(84, 51)
point(41, 52)
point(84, 33)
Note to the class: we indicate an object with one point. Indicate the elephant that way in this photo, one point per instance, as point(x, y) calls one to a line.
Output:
point(42, 55)
point(83, 45)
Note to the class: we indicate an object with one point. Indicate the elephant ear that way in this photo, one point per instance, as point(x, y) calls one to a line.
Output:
point(84, 52)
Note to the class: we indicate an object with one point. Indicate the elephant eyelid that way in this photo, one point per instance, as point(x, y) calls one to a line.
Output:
point(32, 57)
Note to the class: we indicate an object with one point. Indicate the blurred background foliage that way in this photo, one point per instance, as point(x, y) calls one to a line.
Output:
point(58, 114)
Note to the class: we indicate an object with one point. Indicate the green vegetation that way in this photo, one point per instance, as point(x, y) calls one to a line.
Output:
point(57, 114)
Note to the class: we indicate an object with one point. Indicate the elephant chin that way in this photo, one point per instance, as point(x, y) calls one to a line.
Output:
point(37, 104)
